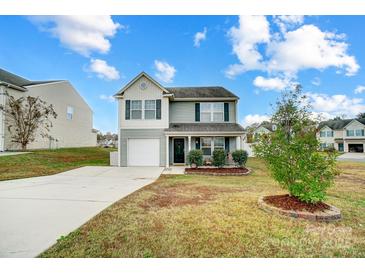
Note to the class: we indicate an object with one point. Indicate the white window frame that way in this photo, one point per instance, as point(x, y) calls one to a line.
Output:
point(360, 131)
point(150, 109)
point(211, 111)
point(70, 113)
point(212, 145)
point(132, 109)
point(349, 135)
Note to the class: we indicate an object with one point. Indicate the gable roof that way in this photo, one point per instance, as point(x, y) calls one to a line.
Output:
point(183, 92)
point(339, 124)
point(18, 82)
point(201, 92)
point(121, 92)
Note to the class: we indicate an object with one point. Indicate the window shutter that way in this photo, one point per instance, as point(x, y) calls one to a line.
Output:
point(226, 144)
point(158, 109)
point(226, 112)
point(197, 112)
point(197, 143)
point(127, 109)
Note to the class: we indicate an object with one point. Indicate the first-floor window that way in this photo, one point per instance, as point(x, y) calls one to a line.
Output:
point(209, 144)
point(219, 142)
point(206, 145)
point(70, 113)
point(136, 109)
point(150, 109)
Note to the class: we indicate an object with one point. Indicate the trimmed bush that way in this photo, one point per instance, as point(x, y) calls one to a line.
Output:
point(219, 157)
point(240, 157)
point(195, 157)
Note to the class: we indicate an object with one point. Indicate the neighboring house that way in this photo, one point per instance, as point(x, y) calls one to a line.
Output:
point(71, 128)
point(264, 128)
point(158, 126)
point(344, 135)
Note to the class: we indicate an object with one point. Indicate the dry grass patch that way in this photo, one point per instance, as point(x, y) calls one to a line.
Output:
point(210, 216)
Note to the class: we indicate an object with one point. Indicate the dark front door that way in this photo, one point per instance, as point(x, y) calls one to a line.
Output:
point(179, 154)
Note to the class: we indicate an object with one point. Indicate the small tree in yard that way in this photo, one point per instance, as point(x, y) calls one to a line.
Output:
point(195, 157)
point(240, 157)
point(219, 157)
point(291, 152)
point(27, 116)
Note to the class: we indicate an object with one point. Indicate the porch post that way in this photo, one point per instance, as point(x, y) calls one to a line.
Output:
point(167, 152)
point(189, 143)
point(238, 142)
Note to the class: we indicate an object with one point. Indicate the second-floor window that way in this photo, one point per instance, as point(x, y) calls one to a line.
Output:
point(70, 113)
point(136, 109)
point(212, 112)
point(150, 109)
point(356, 132)
point(326, 133)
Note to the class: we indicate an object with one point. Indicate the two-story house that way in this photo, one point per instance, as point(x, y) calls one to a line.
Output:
point(73, 126)
point(158, 125)
point(346, 135)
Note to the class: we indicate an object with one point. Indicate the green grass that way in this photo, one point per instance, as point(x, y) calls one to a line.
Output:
point(212, 216)
point(47, 162)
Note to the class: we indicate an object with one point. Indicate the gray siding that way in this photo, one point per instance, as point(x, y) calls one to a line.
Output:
point(126, 134)
point(184, 112)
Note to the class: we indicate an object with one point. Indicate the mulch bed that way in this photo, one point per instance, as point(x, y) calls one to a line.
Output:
point(218, 171)
point(287, 202)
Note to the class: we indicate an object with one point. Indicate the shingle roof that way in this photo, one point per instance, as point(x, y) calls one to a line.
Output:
point(10, 78)
point(339, 124)
point(201, 92)
point(205, 127)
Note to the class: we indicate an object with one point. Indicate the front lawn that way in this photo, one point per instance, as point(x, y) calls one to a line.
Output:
point(47, 162)
point(210, 216)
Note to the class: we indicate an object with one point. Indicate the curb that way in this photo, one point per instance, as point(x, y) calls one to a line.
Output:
point(330, 215)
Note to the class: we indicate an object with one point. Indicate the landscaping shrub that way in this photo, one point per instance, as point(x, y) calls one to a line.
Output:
point(195, 157)
point(219, 157)
point(240, 157)
point(291, 152)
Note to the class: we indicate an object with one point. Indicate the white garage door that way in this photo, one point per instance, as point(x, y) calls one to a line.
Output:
point(143, 152)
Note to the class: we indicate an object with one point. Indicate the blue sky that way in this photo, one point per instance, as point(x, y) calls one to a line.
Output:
point(254, 57)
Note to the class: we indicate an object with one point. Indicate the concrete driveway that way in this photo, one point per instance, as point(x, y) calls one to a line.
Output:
point(35, 212)
point(352, 156)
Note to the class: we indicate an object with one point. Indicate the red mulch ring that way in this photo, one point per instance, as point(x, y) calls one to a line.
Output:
point(233, 170)
point(287, 202)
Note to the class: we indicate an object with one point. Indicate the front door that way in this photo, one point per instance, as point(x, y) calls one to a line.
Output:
point(340, 147)
point(179, 154)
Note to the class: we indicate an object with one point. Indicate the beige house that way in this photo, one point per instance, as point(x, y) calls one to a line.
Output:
point(158, 125)
point(346, 135)
point(73, 126)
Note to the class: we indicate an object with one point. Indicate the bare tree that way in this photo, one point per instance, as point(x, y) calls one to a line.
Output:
point(27, 116)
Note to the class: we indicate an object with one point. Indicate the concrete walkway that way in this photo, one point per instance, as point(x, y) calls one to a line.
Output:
point(11, 153)
point(35, 212)
point(352, 156)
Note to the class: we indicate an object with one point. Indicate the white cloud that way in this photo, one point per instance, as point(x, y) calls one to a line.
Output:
point(308, 47)
point(316, 81)
point(252, 30)
point(285, 22)
point(254, 118)
point(285, 53)
point(165, 72)
point(103, 70)
point(274, 83)
point(359, 89)
point(82, 34)
point(108, 98)
point(335, 105)
point(199, 37)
